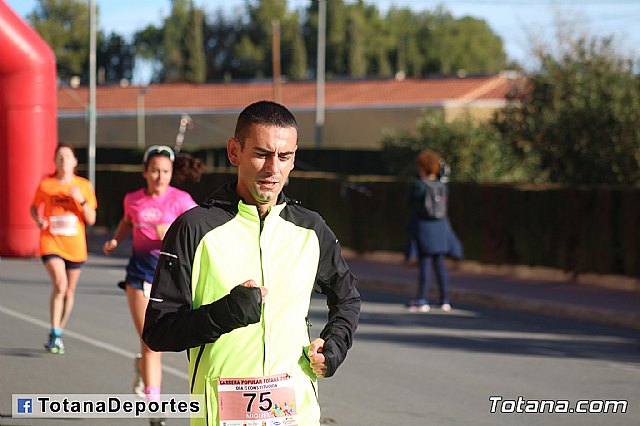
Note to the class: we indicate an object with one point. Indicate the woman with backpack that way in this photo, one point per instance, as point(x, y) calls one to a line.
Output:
point(430, 231)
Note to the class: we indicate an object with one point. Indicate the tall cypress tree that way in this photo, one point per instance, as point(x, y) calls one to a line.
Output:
point(294, 53)
point(183, 42)
point(357, 51)
point(175, 26)
point(195, 70)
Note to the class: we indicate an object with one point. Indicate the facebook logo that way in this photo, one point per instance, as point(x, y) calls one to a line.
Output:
point(24, 405)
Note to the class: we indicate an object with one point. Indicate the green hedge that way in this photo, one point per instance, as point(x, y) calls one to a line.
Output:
point(574, 229)
point(588, 229)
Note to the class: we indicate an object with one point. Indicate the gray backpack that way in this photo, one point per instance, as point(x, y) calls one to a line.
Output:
point(435, 199)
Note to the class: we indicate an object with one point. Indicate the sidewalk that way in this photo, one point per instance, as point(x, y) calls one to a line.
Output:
point(541, 293)
point(603, 304)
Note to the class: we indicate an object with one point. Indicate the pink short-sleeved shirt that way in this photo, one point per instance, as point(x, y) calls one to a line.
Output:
point(145, 212)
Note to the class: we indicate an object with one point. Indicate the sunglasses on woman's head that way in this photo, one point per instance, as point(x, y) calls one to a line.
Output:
point(156, 150)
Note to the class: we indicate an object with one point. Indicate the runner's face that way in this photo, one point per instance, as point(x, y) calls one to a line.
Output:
point(264, 163)
point(158, 173)
point(65, 161)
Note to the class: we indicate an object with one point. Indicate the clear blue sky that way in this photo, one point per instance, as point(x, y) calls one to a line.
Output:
point(513, 20)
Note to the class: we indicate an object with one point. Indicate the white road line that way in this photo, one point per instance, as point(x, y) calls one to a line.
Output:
point(88, 340)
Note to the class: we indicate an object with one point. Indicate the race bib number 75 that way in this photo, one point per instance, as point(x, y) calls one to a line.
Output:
point(257, 401)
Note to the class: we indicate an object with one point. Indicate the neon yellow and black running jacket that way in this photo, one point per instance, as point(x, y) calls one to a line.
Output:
point(196, 304)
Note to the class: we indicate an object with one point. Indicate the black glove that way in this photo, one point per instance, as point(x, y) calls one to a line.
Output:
point(241, 307)
point(332, 357)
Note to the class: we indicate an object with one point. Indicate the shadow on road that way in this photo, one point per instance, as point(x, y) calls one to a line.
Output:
point(489, 331)
point(22, 352)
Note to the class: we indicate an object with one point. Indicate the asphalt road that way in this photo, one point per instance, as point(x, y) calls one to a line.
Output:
point(404, 369)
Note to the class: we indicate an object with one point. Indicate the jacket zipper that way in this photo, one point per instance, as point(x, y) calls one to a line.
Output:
point(206, 398)
point(264, 330)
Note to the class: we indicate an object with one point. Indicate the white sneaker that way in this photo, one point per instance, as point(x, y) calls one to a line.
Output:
point(424, 308)
point(445, 307)
point(419, 308)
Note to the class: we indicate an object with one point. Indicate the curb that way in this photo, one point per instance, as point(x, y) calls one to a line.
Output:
point(516, 304)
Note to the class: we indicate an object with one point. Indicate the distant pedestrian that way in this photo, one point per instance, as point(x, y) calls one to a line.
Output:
point(430, 232)
point(62, 207)
point(148, 212)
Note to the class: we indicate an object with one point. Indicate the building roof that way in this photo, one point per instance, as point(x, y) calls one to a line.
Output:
point(295, 95)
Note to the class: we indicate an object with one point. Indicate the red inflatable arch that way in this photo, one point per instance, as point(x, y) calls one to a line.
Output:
point(28, 129)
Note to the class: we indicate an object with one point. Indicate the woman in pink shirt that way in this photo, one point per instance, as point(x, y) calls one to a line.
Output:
point(148, 212)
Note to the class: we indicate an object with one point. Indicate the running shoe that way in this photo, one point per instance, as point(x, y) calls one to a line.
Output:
point(417, 306)
point(54, 345)
point(138, 383)
point(445, 307)
point(153, 394)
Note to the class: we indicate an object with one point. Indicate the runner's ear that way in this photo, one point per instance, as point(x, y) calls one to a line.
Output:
point(233, 148)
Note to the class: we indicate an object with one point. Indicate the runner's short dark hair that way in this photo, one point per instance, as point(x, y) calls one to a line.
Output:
point(264, 113)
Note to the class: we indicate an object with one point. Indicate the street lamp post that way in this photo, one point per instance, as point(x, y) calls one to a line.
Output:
point(275, 24)
point(92, 94)
point(322, 22)
point(141, 118)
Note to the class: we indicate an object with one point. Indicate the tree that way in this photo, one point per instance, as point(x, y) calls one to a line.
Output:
point(220, 37)
point(336, 37)
point(466, 44)
point(357, 63)
point(176, 26)
point(64, 25)
point(362, 43)
point(410, 33)
point(177, 48)
point(357, 40)
point(476, 152)
point(294, 53)
point(254, 50)
point(149, 47)
point(378, 43)
point(195, 69)
point(115, 59)
point(580, 114)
